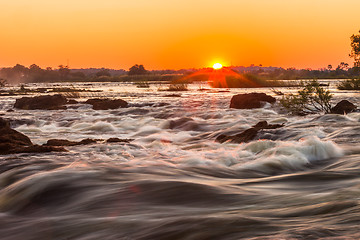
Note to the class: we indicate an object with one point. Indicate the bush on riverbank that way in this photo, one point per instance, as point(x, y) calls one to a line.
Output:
point(312, 98)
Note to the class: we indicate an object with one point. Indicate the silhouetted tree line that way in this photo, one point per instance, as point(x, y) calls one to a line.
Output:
point(34, 73)
point(342, 71)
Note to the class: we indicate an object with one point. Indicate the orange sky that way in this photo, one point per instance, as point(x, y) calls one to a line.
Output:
point(174, 34)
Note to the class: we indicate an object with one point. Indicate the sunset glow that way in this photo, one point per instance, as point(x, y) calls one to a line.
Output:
point(217, 66)
point(177, 34)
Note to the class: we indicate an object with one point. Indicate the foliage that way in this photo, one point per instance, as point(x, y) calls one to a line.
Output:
point(137, 70)
point(64, 72)
point(350, 84)
point(312, 98)
point(355, 49)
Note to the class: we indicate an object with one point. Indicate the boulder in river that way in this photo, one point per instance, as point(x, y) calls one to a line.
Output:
point(12, 141)
point(343, 107)
point(249, 134)
point(250, 100)
point(46, 102)
point(105, 104)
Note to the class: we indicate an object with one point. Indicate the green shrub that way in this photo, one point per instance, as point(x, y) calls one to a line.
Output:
point(312, 98)
point(350, 84)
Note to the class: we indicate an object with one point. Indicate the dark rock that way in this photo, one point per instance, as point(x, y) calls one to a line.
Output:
point(12, 141)
point(60, 142)
point(10, 110)
point(105, 104)
point(38, 149)
point(265, 125)
point(117, 140)
point(72, 101)
point(48, 102)
point(172, 95)
point(247, 135)
point(250, 100)
point(64, 142)
point(343, 107)
point(12, 137)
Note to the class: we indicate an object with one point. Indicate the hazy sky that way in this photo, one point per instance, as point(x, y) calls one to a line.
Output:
point(174, 34)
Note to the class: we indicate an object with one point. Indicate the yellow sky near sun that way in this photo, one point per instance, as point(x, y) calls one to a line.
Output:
point(174, 34)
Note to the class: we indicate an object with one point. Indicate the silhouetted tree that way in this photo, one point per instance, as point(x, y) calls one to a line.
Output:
point(343, 66)
point(355, 49)
point(64, 72)
point(137, 70)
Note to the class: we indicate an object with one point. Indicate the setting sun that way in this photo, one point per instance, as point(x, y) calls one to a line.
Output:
point(217, 66)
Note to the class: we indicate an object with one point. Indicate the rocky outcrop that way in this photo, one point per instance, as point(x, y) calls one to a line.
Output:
point(72, 101)
point(118, 140)
point(247, 135)
point(47, 102)
point(250, 100)
point(105, 104)
point(64, 142)
point(12, 141)
point(343, 107)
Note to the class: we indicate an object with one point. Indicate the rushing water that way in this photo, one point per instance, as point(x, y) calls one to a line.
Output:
point(174, 181)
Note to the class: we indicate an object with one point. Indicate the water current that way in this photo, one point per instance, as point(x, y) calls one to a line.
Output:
point(174, 181)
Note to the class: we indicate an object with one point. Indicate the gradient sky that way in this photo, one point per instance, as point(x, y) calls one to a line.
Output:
point(175, 34)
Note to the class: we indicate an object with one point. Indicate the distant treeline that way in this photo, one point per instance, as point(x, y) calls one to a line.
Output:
point(34, 73)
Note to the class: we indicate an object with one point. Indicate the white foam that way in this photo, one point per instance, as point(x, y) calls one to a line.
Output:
point(97, 127)
point(290, 155)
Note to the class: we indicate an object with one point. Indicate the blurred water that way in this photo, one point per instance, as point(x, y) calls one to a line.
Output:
point(174, 181)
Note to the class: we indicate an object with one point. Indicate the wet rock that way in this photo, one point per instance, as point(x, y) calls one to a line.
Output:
point(247, 135)
point(88, 141)
point(12, 141)
point(64, 142)
point(172, 95)
point(250, 100)
point(343, 107)
point(11, 136)
point(38, 149)
point(48, 102)
point(118, 140)
point(105, 104)
point(266, 125)
point(72, 101)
